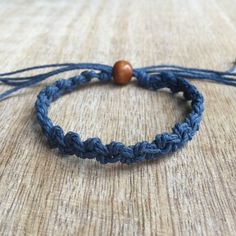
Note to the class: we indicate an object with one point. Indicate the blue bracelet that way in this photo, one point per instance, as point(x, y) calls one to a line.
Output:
point(153, 77)
point(71, 143)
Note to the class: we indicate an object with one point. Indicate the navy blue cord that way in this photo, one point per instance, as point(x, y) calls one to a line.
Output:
point(153, 77)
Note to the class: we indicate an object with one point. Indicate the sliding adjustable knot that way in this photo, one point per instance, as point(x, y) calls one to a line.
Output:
point(158, 81)
point(88, 75)
point(81, 79)
point(104, 76)
point(171, 81)
point(143, 78)
point(150, 81)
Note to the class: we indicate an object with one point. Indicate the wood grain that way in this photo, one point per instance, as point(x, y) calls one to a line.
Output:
point(191, 192)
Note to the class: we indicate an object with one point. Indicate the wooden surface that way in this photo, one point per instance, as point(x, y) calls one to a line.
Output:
point(190, 192)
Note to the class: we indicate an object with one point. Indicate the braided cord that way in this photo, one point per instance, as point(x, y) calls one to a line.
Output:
point(92, 148)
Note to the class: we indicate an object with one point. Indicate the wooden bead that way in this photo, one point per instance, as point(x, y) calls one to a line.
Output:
point(122, 72)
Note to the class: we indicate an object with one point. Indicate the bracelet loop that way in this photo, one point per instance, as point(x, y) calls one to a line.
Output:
point(71, 143)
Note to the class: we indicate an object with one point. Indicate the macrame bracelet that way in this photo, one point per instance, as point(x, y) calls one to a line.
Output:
point(154, 77)
point(71, 143)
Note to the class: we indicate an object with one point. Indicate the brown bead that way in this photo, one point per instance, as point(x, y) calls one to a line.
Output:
point(122, 72)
